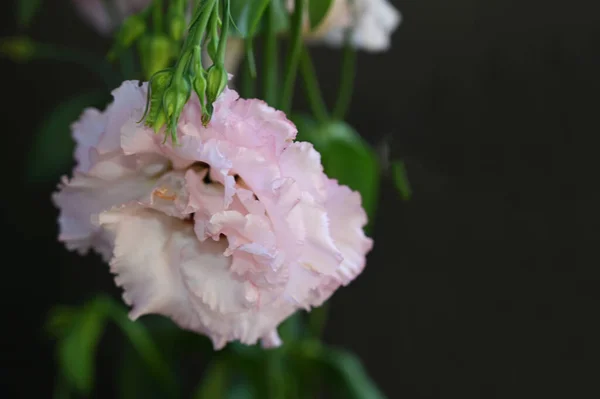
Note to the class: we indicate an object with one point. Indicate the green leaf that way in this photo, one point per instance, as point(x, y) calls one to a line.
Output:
point(317, 318)
point(246, 15)
point(76, 351)
point(26, 10)
point(401, 180)
point(292, 328)
point(349, 375)
point(79, 332)
point(241, 389)
point(276, 374)
point(52, 149)
point(215, 381)
point(345, 157)
point(142, 342)
point(317, 11)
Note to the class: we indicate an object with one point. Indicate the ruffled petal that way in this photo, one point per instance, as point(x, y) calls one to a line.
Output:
point(86, 132)
point(174, 274)
point(347, 220)
point(84, 197)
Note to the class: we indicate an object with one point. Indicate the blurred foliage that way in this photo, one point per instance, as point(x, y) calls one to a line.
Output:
point(155, 346)
point(317, 11)
point(52, 149)
point(78, 332)
point(401, 180)
point(26, 11)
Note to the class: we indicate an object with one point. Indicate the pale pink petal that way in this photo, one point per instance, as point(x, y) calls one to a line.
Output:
point(347, 220)
point(174, 274)
point(128, 105)
point(83, 198)
point(302, 162)
point(86, 132)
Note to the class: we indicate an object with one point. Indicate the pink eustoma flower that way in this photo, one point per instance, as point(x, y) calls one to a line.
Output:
point(227, 233)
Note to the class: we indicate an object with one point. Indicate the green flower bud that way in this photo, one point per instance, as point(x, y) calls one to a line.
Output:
point(131, 30)
point(200, 89)
point(215, 83)
point(156, 53)
point(154, 115)
point(174, 99)
point(198, 77)
point(177, 23)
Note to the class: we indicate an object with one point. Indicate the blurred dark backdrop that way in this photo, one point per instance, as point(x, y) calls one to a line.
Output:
point(479, 286)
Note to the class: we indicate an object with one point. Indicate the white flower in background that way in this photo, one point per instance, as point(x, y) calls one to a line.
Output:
point(106, 15)
point(371, 22)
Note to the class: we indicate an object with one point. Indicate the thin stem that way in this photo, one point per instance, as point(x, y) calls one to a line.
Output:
point(157, 15)
point(291, 68)
point(270, 59)
point(317, 318)
point(224, 32)
point(346, 83)
point(248, 87)
point(311, 85)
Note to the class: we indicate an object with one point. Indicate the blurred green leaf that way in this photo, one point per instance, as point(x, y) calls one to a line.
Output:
point(317, 10)
point(79, 331)
point(292, 328)
point(317, 318)
point(401, 180)
point(249, 17)
point(246, 15)
point(345, 156)
point(142, 342)
point(133, 381)
point(76, 351)
point(350, 376)
point(342, 370)
point(241, 389)
point(26, 10)
point(276, 374)
point(52, 149)
point(215, 381)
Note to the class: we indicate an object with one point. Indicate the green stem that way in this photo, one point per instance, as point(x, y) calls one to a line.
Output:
point(196, 32)
point(198, 27)
point(224, 33)
point(293, 57)
point(157, 15)
point(317, 318)
point(270, 59)
point(247, 81)
point(311, 85)
point(346, 83)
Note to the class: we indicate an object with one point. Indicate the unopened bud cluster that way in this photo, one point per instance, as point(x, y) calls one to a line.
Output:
point(171, 88)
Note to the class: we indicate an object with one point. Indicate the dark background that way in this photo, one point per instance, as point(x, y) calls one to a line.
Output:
point(479, 286)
